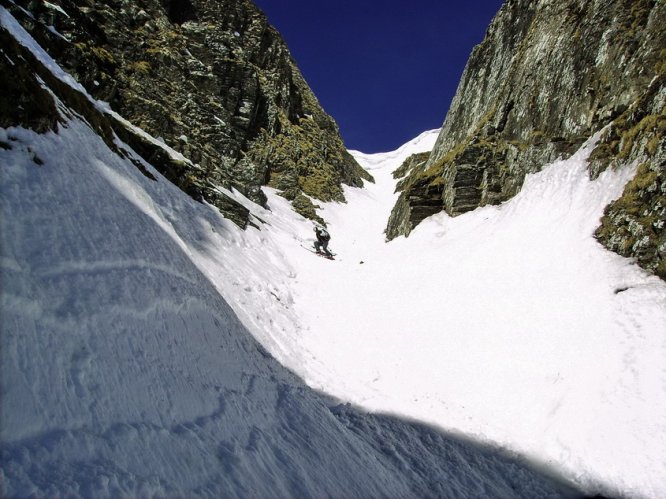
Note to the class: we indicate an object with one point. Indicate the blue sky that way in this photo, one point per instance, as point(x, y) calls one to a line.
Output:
point(385, 70)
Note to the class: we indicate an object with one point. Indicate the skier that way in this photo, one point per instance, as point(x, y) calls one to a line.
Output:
point(322, 241)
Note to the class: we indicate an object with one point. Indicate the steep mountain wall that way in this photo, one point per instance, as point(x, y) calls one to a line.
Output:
point(548, 75)
point(214, 81)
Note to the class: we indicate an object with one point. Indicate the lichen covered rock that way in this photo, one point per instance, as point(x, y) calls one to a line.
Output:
point(548, 75)
point(212, 79)
point(635, 224)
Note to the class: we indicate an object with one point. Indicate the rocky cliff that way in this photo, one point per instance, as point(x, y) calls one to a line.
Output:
point(212, 79)
point(547, 76)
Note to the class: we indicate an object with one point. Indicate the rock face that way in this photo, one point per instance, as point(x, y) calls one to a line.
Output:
point(548, 75)
point(404, 215)
point(214, 81)
point(634, 225)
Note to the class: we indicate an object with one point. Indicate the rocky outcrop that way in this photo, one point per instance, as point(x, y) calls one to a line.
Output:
point(37, 99)
point(409, 211)
point(547, 76)
point(213, 80)
point(635, 224)
point(414, 161)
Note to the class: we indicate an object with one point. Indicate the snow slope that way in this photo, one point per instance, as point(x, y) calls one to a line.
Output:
point(125, 372)
point(509, 323)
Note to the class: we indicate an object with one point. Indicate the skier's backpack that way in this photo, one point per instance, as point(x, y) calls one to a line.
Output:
point(324, 235)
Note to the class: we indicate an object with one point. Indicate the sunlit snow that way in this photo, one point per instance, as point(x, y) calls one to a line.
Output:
point(510, 323)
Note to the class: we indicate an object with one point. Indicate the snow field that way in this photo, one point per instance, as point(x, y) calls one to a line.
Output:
point(510, 323)
point(124, 372)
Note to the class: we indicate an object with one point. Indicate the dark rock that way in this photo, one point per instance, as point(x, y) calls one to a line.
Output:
point(23, 102)
point(180, 11)
point(414, 161)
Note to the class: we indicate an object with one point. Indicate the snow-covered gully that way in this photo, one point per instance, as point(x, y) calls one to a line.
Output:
point(127, 368)
point(125, 372)
point(510, 324)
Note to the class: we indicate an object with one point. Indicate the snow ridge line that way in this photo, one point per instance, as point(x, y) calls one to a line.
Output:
point(100, 266)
